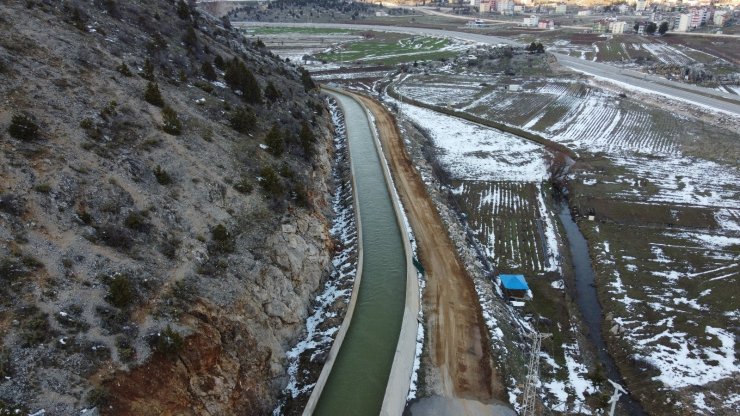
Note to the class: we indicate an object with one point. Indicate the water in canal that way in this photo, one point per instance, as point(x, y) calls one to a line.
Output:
point(357, 382)
point(589, 305)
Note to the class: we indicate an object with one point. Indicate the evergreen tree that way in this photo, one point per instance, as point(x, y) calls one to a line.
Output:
point(663, 28)
point(218, 61)
point(274, 141)
point(171, 123)
point(183, 10)
point(208, 72)
point(651, 28)
point(307, 139)
point(190, 39)
point(243, 120)
point(241, 79)
point(271, 93)
point(308, 83)
point(147, 71)
point(152, 95)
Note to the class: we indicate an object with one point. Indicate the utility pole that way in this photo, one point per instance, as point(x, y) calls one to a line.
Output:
point(618, 391)
point(533, 376)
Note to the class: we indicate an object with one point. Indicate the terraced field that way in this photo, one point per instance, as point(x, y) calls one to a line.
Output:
point(506, 217)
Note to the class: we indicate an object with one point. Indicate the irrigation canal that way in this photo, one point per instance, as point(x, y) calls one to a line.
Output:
point(357, 382)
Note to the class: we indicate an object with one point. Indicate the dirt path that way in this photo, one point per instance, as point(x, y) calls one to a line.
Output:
point(456, 334)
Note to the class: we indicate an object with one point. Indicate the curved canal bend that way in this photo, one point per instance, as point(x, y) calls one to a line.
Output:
point(357, 382)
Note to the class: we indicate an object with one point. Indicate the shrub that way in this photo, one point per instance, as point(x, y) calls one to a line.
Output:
point(136, 221)
point(34, 327)
point(204, 86)
point(120, 292)
point(162, 176)
point(169, 342)
point(244, 186)
point(123, 70)
point(172, 124)
point(44, 188)
point(243, 120)
point(208, 72)
point(114, 236)
point(12, 204)
point(274, 141)
point(6, 370)
point(220, 233)
point(86, 123)
point(98, 396)
point(126, 351)
point(168, 247)
point(85, 216)
point(109, 110)
point(23, 128)
point(78, 19)
point(152, 95)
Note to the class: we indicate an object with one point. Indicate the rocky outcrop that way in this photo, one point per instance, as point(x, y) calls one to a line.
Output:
point(153, 261)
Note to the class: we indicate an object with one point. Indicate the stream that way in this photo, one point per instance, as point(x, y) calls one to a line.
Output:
point(589, 306)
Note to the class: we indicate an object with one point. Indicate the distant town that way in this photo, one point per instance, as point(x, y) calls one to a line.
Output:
point(641, 16)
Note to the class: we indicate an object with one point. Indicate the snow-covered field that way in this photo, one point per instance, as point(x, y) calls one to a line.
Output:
point(476, 152)
point(667, 54)
point(668, 288)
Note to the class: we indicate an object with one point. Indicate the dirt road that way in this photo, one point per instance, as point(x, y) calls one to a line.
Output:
point(456, 334)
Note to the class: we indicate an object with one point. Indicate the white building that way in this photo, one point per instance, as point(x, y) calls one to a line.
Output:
point(617, 27)
point(683, 23)
point(640, 5)
point(561, 9)
point(720, 17)
point(530, 21)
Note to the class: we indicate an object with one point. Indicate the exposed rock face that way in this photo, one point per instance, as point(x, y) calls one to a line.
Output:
point(146, 270)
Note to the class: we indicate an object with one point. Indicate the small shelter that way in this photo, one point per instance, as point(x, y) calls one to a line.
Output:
point(514, 286)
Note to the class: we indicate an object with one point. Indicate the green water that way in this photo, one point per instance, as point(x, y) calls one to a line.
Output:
point(358, 379)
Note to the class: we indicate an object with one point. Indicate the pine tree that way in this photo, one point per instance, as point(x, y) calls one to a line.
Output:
point(307, 139)
point(243, 120)
point(271, 93)
point(171, 123)
point(274, 141)
point(241, 79)
point(208, 72)
point(183, 10)
point(152, 95)
point(147, 71)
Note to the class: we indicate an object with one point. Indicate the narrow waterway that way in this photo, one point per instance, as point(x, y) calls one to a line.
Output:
point(358, 378)
point(588, 304)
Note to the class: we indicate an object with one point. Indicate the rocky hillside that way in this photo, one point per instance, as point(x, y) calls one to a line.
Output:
point(163, 203)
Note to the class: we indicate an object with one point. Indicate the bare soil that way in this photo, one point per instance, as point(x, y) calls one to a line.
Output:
point(456, 338)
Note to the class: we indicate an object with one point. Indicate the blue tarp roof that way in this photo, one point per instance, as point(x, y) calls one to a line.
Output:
point(513, 281)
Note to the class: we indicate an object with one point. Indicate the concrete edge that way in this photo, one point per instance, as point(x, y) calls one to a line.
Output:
point(313, 400)
point(399, 379)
